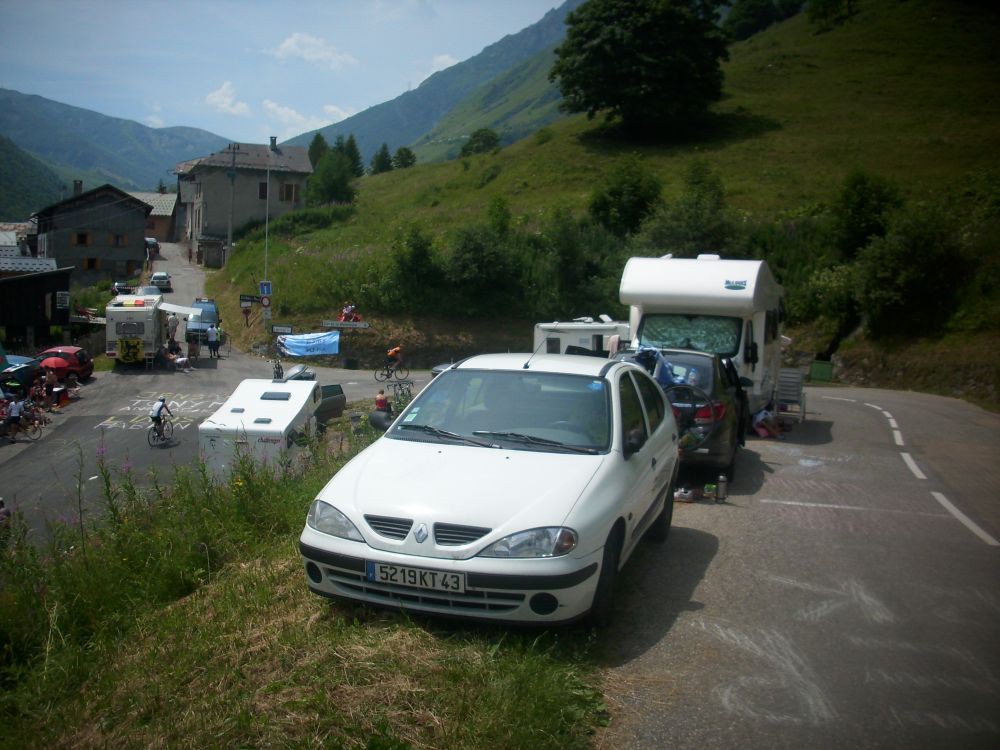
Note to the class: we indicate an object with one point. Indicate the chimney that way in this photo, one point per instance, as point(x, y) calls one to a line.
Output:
point(77, 187)
point(274, 143)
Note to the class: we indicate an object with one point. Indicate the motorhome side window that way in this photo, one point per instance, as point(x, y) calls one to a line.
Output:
point(706, 333)
point(552, 345)
point(771, 326)
point(130, 328)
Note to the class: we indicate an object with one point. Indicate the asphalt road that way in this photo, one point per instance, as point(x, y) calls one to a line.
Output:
point(846, 595)
point(57, 477)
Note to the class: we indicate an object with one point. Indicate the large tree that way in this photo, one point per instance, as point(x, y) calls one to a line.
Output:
point(404, 158)
point(482, 141)
point(654, 64)
point(331, 181)
point(317, 149)
point(382, 160)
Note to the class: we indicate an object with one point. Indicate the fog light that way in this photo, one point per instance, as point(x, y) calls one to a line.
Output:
point(314, 573)
point(544, 604)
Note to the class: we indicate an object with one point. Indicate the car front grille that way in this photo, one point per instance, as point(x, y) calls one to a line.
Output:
point(449, 534)
point(393, 528)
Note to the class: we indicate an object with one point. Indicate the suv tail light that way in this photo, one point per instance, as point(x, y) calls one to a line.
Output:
point(704, 414)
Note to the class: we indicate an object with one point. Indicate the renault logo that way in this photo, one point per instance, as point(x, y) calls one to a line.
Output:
point(421, 533)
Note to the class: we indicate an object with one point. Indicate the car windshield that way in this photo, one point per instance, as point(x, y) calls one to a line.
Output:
point(516, 410)
point(704, 333)
point(691, 369)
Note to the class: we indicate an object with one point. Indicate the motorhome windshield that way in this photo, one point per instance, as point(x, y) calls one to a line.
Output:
point(706, 333)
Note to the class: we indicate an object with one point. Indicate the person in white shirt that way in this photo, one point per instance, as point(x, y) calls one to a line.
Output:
point(213, 341)
point(156, 414)
point(14, 412)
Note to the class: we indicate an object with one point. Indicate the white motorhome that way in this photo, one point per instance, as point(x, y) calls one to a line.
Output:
point(266, 420)
point(560, 337)
point(728, 307)
point(136, 326)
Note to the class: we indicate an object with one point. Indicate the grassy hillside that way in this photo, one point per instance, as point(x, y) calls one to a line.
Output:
point(904, 90)
point(28, 185)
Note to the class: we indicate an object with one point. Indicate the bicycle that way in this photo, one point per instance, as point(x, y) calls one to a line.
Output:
point(165, 434)
point(390, 369)
point(402, 393)
point(279, 371)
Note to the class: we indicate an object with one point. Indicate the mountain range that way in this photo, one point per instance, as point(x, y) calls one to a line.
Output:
point(504, 87)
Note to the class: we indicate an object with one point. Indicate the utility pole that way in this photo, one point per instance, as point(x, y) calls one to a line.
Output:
point(233, 149)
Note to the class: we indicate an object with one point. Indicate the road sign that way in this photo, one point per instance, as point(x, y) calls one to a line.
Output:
point(281, 329)
point(251, 298)
point(265, 289)
point(267, 313)
point(246, 304)
point(265, 301)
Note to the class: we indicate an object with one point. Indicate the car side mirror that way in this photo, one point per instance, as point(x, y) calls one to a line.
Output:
point(634, 440)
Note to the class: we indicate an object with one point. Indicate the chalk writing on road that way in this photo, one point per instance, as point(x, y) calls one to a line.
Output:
point(190, 403)
point(139, 423)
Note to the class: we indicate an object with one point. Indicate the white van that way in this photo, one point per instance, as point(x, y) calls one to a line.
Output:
point(729, 307)
point(580, 336)
point(267, 420)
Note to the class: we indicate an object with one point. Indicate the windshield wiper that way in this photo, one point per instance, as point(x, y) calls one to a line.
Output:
point(438, 432)
point(522, 438)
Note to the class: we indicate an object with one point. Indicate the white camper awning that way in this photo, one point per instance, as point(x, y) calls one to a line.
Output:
point(170, 307)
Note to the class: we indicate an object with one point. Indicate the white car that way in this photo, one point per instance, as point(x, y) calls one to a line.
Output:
point(161, 280)
point(514, 487)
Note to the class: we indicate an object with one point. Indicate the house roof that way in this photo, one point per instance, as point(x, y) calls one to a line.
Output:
point(256, 156)
point(75, 200)
point(163, 203)
point(27, 264)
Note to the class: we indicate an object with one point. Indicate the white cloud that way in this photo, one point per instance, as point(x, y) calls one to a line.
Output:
point(336, 113)
point(438, 62)
point(154, 121)
point(313, 50)
point(295, 123)
point(223, 99)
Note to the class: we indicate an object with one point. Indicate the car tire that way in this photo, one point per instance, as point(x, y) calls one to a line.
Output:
point(602, 610)
point(659, 530)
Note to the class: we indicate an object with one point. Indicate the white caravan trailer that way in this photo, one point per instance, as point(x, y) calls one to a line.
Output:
point(267, 420)
point(579, 334)
point(729, 307)
point(134, 326)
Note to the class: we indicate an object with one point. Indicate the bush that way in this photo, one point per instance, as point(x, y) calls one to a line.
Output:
point(862, 211)
point(629, 194)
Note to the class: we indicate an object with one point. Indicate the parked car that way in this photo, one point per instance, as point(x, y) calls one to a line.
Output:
point(332, 405)
point(152, 246)
point(208, 313)
point(512, 488)
point(146, 291)
point(23, 374)
point(77, 360)
point(710, 405)
point(122, 287)
point(161, 280)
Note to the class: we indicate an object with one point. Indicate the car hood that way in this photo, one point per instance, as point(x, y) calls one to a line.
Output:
point(502, 490)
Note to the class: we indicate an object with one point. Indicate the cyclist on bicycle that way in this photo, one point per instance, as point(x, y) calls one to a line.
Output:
point(394, 357)
point(156, 414)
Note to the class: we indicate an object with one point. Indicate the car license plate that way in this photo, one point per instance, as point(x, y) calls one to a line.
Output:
point(402, 575)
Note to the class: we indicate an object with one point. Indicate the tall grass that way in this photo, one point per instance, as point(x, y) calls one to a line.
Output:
point(183, 619)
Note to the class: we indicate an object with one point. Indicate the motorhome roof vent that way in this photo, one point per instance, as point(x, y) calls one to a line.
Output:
point(709, 256)
point(262, 420)
point(276, 396)
point(237, 410)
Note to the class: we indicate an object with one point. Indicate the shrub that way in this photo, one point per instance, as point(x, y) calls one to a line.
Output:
point(862, 211)
point(629, 194)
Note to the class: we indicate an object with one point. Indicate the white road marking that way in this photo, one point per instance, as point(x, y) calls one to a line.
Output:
point(913, 466)
point(965, 520)
point(838, 398)
point(836, 506)
point(892, 423)
point(873, 406)
point(897, 436)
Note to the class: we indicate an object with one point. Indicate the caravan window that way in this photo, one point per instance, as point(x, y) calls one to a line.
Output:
point(705, 333)
point(130, 328)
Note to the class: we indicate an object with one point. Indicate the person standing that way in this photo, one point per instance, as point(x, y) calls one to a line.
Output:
point(51, 381)
point(14, 412)
point(213, 341)
point(172, 323)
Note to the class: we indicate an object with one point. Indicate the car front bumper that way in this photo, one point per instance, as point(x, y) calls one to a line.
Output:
point(538, 591)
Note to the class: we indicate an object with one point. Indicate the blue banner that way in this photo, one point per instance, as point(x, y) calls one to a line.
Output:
point(310, 344)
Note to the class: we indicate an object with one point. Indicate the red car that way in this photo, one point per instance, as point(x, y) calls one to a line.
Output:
point(77, 360)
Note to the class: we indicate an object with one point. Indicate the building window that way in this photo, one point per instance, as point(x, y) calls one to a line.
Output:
point(92, 264)
point(262, 190)
point(118, 240)
point(197, 190)
point(289, 192)
point(81, 238)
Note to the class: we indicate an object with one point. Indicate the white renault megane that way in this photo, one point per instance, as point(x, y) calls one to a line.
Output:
point(514, 487)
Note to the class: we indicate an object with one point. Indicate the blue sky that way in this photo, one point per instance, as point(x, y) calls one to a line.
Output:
point(244, 70)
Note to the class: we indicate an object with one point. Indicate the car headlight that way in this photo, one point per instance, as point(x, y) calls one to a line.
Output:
point(324, 517)
point(552, 541)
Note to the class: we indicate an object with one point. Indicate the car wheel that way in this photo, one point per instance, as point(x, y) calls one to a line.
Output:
point(659, 530)
point(602, 610)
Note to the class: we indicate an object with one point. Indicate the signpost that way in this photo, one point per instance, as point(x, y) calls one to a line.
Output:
point(249, 299)
point(265, 289)
point(345, 324)
point(265, 301)
point(280, 329)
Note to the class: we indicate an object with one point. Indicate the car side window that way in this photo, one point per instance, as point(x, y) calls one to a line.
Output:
point(633, 425)
point(652, 399)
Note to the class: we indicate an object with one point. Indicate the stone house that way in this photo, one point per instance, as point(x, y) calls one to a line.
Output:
point(100, 234)
point(243, 183)
point(160, 222)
